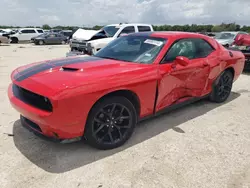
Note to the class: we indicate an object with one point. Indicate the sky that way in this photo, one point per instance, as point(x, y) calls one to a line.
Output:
point(102, 12)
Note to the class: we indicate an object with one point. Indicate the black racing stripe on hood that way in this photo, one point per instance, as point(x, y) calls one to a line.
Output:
point(51, 64)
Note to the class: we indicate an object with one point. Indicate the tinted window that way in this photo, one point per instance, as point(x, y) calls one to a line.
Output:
point(66, 33)
point(138, 49)
point(144, 28)
point(203, 48)
point(190, 48)
point(184, 47)
point(40, 31)
point(128, 29)
point(28, 31)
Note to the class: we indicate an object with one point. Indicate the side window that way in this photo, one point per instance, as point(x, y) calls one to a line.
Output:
point(203, 48)
point(27, 31)
point(24, 31)
point(183, 47)
point(144, 28)
point(127, 30)
point(40, 31)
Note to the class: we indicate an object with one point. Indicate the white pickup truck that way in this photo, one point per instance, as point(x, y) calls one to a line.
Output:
point(90, 41)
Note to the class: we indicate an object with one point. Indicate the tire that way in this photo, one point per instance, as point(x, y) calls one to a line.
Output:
point(63, 42)
point(14, 40)
point(103, 132)
point(222, 87)
point(41, 42)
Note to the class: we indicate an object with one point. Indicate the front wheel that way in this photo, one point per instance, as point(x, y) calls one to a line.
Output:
point(14, 40)
point(111, 123)
point(222, 89)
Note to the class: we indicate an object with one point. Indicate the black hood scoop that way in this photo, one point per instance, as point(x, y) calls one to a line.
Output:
point(69, 69)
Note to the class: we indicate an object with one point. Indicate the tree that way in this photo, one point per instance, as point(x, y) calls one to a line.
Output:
point(46, 27)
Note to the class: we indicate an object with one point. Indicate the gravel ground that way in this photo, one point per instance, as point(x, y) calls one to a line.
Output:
point(200, 145)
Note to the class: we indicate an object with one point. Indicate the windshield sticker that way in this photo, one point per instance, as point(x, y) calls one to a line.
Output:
point(153, 42)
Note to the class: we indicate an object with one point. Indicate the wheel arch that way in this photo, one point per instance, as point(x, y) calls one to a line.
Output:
point(14, 38)
point(230, 69)
point(130, 95)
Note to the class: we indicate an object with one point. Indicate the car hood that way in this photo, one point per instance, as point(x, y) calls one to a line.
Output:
point(82, 34)
point(86, 74)
point(103, 41)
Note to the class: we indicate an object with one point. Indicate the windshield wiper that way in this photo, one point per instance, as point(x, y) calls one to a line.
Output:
point(115, 59)
point(107, 57)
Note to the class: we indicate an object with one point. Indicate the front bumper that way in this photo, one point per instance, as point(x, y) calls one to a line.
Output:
point(78, 46)
point(48, 124)
point(34, 128)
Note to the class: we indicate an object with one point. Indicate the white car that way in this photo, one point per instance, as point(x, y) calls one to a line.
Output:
point(91, 41)
point(25, 34)
point(226, 38)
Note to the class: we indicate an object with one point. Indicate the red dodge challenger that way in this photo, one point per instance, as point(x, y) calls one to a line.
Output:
point(102, 97)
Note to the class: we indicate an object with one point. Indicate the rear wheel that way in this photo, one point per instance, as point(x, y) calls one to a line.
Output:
point(222, 88)
point(111, 123)
point(63, 42)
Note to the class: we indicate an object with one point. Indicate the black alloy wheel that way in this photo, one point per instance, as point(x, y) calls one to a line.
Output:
point(111, 123)
point(222, 89)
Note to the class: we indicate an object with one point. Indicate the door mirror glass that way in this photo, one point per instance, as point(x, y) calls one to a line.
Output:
point(181, 60)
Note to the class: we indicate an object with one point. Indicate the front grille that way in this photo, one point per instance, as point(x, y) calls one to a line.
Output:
point(31, 98)
point(80, 43)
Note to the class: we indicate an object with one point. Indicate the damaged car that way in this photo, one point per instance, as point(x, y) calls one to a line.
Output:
point(102, 97)
point(227, 38)
point(91, 41)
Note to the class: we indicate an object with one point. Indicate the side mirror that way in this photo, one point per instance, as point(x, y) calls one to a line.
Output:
point(181, 60)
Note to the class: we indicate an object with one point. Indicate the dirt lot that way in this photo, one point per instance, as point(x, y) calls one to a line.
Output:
point(201, 145)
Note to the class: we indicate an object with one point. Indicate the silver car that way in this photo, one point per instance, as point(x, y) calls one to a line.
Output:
point(226, 38)
point(50, 38)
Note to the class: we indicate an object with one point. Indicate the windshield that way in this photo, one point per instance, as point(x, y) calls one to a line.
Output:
point(138, 49)
point(110, 30)
point(225, 36)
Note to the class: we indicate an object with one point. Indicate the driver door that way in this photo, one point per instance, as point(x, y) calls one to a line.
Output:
point(178, 82)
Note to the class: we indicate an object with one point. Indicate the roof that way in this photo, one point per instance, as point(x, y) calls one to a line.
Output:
point(129, 24)
point(167, 34)
point(30, 28)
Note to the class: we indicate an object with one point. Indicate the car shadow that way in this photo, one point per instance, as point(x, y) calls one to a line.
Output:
point(59, 158)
